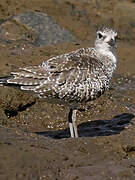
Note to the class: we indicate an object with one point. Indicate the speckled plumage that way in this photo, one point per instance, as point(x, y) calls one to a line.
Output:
point(74, 77)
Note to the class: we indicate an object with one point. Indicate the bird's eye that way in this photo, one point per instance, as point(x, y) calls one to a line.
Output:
point(100, 35)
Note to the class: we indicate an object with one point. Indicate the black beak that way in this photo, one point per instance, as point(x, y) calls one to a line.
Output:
point(112, 43)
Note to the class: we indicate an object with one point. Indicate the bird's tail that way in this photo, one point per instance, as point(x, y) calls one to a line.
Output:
point(3, 80)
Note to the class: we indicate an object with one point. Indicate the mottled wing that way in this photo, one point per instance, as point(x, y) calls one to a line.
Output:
point(29, 77)
point(68, 75)
point(63, 76)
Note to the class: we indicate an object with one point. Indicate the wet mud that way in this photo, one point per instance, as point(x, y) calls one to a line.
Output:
point(34, 135)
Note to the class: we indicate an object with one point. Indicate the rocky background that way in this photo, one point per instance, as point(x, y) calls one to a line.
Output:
point(34, 135)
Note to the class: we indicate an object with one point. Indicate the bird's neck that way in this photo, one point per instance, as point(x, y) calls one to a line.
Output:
point(107, 54)
point(108, 58)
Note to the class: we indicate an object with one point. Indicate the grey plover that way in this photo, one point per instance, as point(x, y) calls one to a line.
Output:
point(73, 78)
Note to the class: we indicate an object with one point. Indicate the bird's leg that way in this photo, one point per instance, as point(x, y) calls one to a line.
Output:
point(72, 123)
point(71, 130)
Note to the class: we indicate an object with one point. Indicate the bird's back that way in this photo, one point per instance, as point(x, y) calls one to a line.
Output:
point(76, 76)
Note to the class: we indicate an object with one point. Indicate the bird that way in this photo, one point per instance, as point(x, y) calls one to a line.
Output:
point(73, 78)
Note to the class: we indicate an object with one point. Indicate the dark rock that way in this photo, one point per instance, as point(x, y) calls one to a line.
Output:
point(37, 28)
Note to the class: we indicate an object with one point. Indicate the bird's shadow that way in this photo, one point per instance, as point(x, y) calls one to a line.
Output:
point(94, 128)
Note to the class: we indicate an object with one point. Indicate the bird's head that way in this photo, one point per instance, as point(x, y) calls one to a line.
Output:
point(106, 39)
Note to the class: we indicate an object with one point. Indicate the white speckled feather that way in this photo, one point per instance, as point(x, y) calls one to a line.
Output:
point(79, 76)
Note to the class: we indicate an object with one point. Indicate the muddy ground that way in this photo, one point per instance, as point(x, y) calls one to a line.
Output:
point(34, 135)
